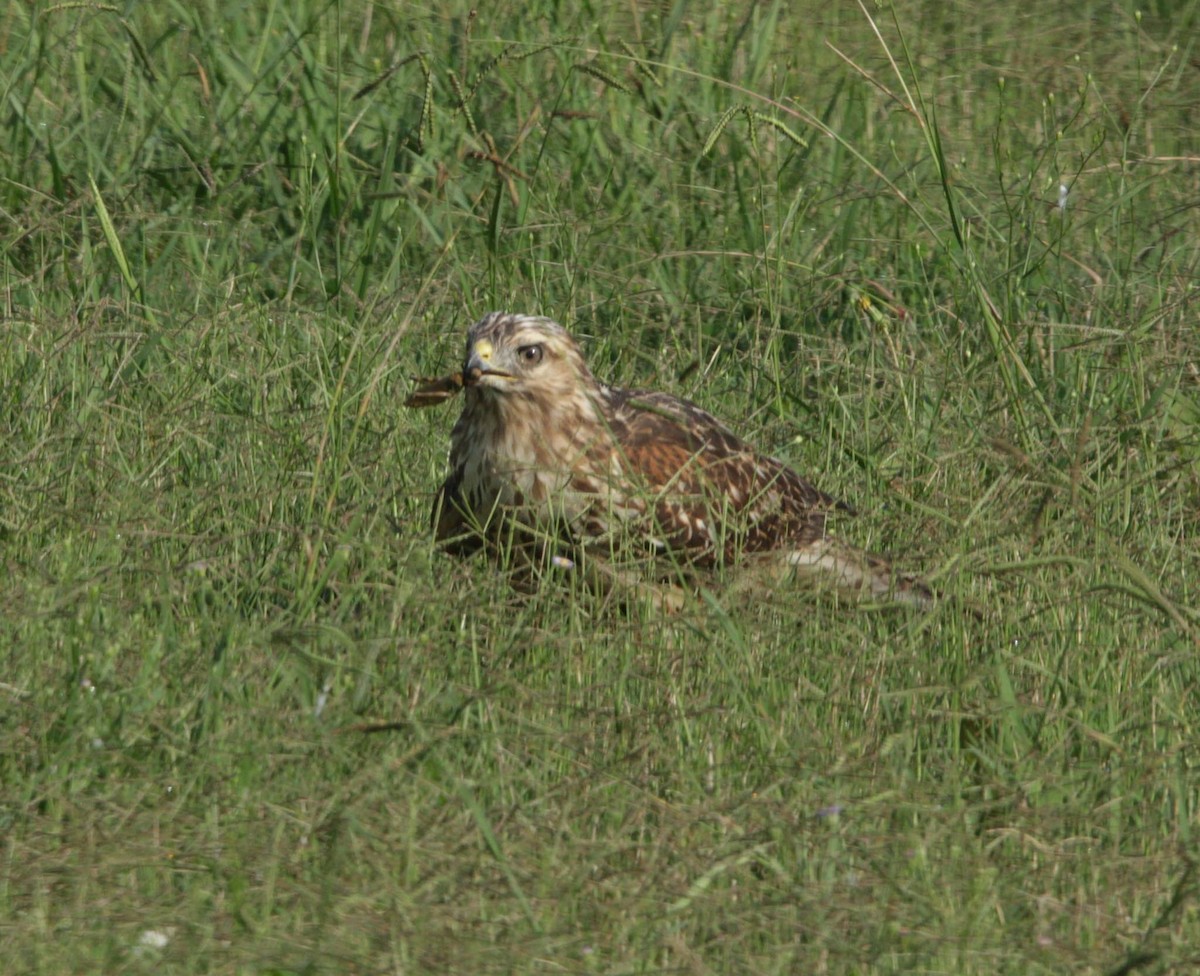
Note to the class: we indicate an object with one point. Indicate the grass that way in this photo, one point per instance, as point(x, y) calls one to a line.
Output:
point(253, 723)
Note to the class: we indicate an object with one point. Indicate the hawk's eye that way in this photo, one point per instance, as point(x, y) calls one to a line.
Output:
point(530, 355)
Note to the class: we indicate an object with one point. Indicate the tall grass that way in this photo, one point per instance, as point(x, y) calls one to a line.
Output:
point(941, 258)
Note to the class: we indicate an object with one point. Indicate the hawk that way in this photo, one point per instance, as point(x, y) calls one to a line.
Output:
point(548, 462)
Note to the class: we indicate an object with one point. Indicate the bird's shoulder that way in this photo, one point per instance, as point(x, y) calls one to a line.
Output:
point(670, 440)
point(637, 416)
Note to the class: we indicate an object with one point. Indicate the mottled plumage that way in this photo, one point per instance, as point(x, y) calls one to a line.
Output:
point(547, 459)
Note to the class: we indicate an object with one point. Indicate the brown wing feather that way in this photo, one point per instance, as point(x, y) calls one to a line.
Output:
point(431, 392)
point(714, 496)
point(451, 527)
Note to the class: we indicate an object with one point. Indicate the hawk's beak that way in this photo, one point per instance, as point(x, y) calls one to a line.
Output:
point(479, 363)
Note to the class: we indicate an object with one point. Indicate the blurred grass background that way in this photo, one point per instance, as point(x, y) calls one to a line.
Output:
point(941, 257)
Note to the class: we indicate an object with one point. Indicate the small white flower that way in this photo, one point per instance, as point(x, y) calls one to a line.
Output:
point(322, 698)
point(153, 939)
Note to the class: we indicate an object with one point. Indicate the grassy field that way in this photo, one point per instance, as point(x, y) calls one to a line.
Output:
point(941, 257)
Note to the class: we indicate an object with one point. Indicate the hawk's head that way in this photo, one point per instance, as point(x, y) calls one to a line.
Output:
point(522, 355)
